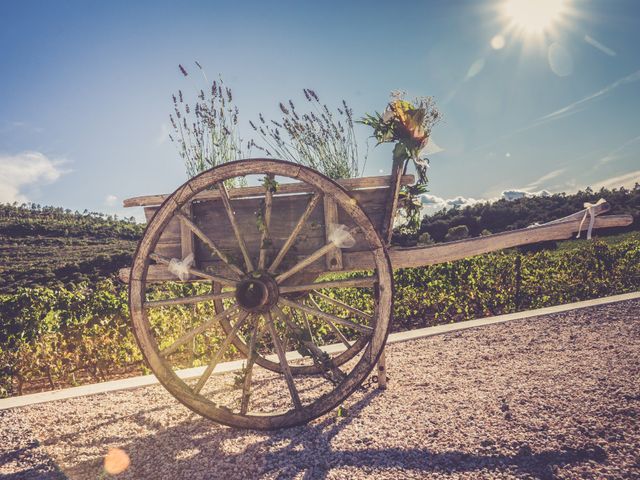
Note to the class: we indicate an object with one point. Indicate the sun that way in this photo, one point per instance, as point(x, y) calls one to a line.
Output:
point(534, 17)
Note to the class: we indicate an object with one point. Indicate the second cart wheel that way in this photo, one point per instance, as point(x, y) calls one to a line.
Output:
point(268, 309)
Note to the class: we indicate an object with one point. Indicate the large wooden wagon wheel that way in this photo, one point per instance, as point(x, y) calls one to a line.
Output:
point(267, 301)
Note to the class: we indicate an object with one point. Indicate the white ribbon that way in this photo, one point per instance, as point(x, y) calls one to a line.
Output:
point(341, 236)
point(180, 268)
point(589, 211)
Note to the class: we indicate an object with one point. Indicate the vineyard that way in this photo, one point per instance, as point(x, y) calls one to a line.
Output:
point(54, 247)
point(57, 337)
point(65, 316)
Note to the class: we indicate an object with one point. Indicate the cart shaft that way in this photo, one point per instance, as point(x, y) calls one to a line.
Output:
point(562, 229)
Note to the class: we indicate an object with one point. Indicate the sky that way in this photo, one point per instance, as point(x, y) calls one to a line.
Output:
point(543, 100)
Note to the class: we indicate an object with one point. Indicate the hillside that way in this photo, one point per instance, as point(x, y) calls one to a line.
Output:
point(49, 246)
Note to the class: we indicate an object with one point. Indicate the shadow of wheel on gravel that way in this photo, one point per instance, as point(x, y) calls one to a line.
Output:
point(36, 464)
point(198, 448)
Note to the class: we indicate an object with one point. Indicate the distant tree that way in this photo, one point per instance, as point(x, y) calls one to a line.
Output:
point(457, 233)
point(504, 215)
point(425, 239)
point(437, 230)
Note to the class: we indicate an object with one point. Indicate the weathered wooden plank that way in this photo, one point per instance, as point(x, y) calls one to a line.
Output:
point(194, 272)
point(392, 202)
point(186, 235)
point(207, 241)
point(285, 188)
point(295, 231)
point(210, 218)
point(333, 259)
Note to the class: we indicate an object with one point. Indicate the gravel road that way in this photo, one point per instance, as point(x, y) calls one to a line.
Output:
point(555, 396)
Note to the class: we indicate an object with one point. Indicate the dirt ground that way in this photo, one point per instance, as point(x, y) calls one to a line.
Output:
point(555, 396)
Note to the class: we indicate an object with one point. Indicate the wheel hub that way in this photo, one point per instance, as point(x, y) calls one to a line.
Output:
point(258, 292)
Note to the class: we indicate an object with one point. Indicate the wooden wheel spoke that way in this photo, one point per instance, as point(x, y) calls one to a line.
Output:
point(286, 370)
point(188, 300)
point(340, 304)
point(234, 224)
point(321, 252)
point(313, 202)
point(194, 271)
point(297, 331)
point(326, 316)
point(346, 283)
point(268, 202)
point(316, 353)
point(335, 329)
point(198, 330)
point(210, 243)
point(251, 359)
point(218, 355)
point(306, 323)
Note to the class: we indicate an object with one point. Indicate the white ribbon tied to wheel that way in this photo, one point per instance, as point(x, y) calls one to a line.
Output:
point(180, 268)
point(589, 211)
point(341, 236)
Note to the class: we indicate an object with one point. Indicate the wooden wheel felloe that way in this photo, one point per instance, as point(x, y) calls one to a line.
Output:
point(268, 297)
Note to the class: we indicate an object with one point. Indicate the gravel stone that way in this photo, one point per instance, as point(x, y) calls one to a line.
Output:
point(555, 396)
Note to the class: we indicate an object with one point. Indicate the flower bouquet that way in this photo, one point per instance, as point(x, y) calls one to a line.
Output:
point(408, 125)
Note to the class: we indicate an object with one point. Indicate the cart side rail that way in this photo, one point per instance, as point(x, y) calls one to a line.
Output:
point(285, 188)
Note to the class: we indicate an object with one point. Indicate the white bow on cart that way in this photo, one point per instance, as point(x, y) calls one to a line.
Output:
point(589, 211)
point(180, 268)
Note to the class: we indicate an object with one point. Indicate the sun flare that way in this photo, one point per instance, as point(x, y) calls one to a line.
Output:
point(534, 16)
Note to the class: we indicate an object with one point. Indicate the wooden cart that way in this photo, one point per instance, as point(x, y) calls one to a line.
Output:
point(283, 260)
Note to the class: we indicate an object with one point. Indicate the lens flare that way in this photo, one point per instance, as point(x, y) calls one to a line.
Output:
point(498, 42)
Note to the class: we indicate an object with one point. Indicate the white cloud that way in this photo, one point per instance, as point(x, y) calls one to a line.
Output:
point(10, 127)
point(573, 107)
point(614, 154)
point(516, 193)
point(568, 110)
point(26, 170)
point(110, 200)
point(433, 203)
point(627, 180)
point(546, 177)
